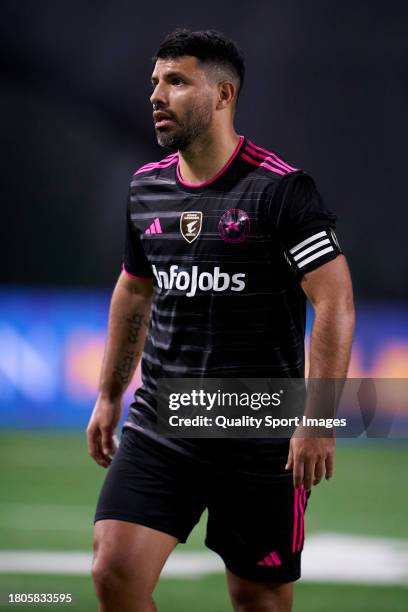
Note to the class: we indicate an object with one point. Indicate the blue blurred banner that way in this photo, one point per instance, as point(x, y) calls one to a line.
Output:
point(51, 347)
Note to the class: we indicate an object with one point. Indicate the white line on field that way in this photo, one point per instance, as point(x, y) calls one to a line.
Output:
point(328, 557)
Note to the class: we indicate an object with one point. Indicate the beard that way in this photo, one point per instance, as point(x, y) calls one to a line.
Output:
point(193, 125)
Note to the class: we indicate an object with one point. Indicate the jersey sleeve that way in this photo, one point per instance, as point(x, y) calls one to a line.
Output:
point(135, 262)
point(304, 225)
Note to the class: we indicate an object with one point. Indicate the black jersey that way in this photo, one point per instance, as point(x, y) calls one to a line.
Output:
point(226, 257)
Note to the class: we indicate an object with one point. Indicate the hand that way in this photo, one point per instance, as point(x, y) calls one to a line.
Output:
point(101, 429)
point(310, 459)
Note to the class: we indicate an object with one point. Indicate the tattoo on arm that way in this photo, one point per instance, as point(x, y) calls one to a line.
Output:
point(135, 323)
point(124, 371)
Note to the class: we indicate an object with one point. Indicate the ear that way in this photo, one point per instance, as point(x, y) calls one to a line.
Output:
point(226, 94)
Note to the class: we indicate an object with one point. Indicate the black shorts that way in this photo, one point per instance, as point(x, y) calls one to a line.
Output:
point(255, 516)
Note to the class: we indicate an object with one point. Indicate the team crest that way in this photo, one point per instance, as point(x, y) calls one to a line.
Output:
point(234, 226)
point(190, 225)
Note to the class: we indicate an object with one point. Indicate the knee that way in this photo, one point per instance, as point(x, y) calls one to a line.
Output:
point(110, 570)
point(107, 573)
point(243, 598)
point(112, 573)
point(257, 598)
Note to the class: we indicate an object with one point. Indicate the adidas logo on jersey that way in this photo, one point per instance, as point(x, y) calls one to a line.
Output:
point(155, 227)
point(203, 281)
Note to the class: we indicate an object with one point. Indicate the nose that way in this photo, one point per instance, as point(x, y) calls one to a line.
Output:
point(158, 96)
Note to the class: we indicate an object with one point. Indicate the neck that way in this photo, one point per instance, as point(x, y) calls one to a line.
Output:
point(207, 155)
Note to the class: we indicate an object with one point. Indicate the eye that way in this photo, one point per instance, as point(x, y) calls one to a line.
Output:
point(177, 81)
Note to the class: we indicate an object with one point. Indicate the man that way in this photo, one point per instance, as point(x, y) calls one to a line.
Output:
point(224, 239)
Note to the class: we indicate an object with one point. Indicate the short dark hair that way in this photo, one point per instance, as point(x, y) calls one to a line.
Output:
point(208, 46)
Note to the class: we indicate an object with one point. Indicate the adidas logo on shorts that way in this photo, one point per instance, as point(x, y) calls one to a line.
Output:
point(271, 559)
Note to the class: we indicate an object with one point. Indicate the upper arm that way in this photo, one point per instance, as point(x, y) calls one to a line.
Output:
point(329, 283)
point(305, 226)
point(306, 231)
point(136, 267)
point(134, 285)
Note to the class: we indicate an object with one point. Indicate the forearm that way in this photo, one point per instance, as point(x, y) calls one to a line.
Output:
point(330, 350)
point(331, 339)
point(129, 316)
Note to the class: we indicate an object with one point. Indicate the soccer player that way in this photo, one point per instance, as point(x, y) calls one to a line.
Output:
point(225, 240)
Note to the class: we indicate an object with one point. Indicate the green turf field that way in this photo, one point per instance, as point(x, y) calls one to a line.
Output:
point(209, 594)
point(49, 487)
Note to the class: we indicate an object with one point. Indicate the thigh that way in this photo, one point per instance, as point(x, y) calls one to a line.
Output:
point(151, 485)
point(256, 518)
point(125, 549)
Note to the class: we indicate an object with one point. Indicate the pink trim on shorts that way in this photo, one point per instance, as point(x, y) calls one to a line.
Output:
point(298, 519)
point(302, 519)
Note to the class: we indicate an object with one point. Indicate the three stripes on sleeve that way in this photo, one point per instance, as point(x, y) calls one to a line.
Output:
point(314, 250)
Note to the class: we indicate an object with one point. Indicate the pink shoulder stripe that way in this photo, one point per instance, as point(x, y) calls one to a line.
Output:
point(268, 159)
point(270, 153)
point(165, 159)
point(157, 165)
point(259, 163)
point(163, 163)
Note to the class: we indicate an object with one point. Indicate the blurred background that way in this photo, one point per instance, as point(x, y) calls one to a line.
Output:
point(326, 88)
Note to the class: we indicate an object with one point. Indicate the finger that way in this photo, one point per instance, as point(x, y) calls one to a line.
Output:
point(105, 463)
point(309, 469)
point(91, 438)
point(115, 444)
point(289, 462)
point(298, 471)
point(107, 442)
point(318, 472)
point(329, 466)
point(94, 448)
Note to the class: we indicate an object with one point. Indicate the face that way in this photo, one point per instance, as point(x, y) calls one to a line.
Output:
point(183, 101)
